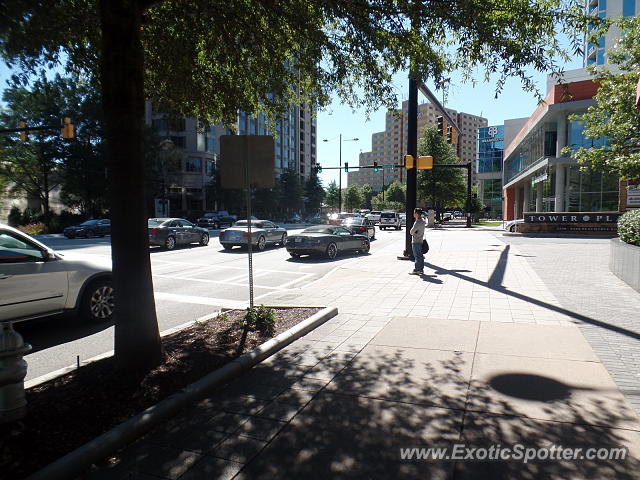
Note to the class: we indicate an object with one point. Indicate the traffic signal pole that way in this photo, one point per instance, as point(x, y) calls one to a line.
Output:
point(412, 173)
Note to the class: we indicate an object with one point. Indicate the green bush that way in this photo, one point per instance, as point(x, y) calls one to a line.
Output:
point(262, 319)
point(15, 217)
point(629, 227)
point(32, 228)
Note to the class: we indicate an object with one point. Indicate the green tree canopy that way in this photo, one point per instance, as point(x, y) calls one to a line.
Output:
point(442, 187)
point(396, 192)
point(353, 197)
point(332, 197)
point(314, 193)
point(367, 195)
point(614, 116)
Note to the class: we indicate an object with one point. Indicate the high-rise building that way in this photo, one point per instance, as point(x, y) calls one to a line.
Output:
point(389, 146)
point(198, 151)
point(595, 52)
point(489, 167)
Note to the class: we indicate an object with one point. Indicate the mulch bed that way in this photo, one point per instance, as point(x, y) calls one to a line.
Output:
point(67, 412)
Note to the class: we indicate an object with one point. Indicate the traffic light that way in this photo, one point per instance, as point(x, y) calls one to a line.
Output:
point(318, 168)
point(425, 163)
point(408, 161)
point(24, 134)
point(375, 166)
point(67, 128)
point(454, 136)
point(449, 134)
point(441, 127)
point(346, 167)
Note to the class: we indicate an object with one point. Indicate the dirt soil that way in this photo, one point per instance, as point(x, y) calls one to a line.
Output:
point(69, 411)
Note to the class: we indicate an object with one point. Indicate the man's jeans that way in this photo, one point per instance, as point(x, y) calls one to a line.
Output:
point(419, 256)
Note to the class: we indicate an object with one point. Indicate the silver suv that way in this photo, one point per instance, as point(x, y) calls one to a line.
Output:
point(389, 220)
point(35, 281)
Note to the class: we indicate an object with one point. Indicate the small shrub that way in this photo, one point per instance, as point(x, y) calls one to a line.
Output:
point(15, 216)
point(32, 228)
point(261, 319)
point(629, 227)
point(31, 216)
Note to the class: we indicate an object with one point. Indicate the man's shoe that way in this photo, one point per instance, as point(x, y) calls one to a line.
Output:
point(414, 273)
point(419, 273)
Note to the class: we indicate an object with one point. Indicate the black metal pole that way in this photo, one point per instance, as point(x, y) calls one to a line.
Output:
point(412, 149)
point(469, 195)
point(340, 179)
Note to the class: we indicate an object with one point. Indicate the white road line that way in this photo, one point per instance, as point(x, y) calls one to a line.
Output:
point(219, 282)
point(223, 266)
point(218, 302)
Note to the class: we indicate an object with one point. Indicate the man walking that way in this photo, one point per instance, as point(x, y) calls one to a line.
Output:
point(417, 235)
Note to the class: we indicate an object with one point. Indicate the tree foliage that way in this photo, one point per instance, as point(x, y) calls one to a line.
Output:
point(353, 197)
point(615, 116)
point(442, 187)
point(396, 192)
point(367, 195)
point(314, 193)
point(332, 195)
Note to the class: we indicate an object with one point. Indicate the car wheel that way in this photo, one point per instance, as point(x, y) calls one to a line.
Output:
point(284, 239)
point(294, 255)
point(98, 301)
point(262, 243)
point(89, 234)
point(332, 251)
point(366, 248)
point(512, 228)
point(228, 247)
point(204, 240)
point(170, 243)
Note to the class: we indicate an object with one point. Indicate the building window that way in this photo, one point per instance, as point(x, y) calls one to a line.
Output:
point(180, 142)
point(210, 145)
point(193, 164)
point(210, 167)
point(628, 8)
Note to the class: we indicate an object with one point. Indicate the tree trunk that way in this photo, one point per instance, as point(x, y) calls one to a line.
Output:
point(137, 339)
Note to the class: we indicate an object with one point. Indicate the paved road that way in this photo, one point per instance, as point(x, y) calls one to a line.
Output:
point(189, 283)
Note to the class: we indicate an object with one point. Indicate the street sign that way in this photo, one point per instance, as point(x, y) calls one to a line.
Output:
point(258, 150)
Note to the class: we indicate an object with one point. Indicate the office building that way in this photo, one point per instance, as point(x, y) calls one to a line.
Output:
point(595, 52)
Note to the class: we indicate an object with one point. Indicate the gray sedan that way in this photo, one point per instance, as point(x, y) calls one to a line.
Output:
point(326, 240)
point(169, 232)
point(263, 233)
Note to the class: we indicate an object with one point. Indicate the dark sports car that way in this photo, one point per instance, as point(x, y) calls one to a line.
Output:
point(88, 229)
point(169, 232)
point(326, 240)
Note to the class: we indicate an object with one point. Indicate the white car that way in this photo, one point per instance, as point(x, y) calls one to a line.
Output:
point(374, 216)
point(511, 226)
point(36, 281)
point(389, 220)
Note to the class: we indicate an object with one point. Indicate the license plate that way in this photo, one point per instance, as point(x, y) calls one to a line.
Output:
point(298, 240)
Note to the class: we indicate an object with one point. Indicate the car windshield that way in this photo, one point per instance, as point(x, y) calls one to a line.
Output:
point(353, 221)
point(318, 229)
point(244, 223)
point(88, 223)
point(388, 215)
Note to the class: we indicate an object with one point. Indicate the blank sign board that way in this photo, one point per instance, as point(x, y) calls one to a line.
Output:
point(258, 150)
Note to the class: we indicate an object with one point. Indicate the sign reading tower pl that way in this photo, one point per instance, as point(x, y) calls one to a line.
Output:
point(596, 222)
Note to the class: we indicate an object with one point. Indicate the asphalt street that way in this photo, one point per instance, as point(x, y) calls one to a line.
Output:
point(189, 283)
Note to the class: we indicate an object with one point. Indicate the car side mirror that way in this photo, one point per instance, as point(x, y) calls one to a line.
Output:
point(49, 255)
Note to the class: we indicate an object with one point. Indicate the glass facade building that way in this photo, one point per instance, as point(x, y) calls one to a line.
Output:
point(489, 168)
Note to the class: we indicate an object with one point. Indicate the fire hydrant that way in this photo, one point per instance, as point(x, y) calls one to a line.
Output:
point(13, 369)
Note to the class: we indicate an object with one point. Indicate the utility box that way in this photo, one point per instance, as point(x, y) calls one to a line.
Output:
point(431, 218)
point(237, 150)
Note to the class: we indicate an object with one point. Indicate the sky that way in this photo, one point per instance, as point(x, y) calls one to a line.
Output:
point(338, 119)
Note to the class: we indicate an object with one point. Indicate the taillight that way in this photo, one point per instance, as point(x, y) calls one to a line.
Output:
point(245, 234)
point(221, 233)
point(153, 231)
point(361, 229)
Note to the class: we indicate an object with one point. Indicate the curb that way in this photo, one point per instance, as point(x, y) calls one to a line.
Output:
point(74, 463)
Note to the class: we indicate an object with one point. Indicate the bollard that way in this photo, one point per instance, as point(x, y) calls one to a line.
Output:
point(13, 369)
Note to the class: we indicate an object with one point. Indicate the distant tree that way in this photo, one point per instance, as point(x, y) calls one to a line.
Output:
point(353, 197)
point(367, 195)
point(615, 116)
point(292, 191)
point(396, 192)
point(331, 197)
point(380, 203)
point(314, 193)
point(441, 187)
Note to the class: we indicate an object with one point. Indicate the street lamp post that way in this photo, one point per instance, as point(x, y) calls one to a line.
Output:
point(340, 169)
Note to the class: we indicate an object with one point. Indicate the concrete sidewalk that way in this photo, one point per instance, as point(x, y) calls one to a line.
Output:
point(472, 353)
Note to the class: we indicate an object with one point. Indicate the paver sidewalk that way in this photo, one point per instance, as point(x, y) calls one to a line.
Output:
point(468, 354)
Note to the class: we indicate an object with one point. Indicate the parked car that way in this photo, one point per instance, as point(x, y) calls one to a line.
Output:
point(374, 216)
point(171, 232)
point(337, 218)
point(326, 240)
point(360, 225)
point(88, 229)
point(389, 220)
point(403, 219)
point(36, 281)
point(263, 233)
point(446, 216)
point(215, 220)
point(512, 225)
